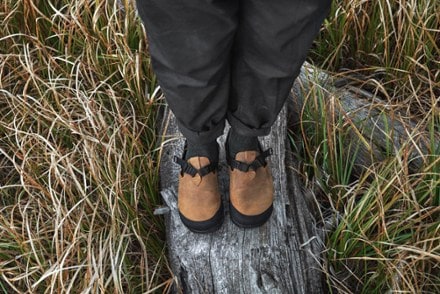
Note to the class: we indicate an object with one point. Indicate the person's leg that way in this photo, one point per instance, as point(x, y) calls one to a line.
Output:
point(271, 45)
point(190, 43)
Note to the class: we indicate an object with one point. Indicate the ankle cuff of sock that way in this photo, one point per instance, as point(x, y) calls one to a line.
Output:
point(210, 150)
point(238, 143)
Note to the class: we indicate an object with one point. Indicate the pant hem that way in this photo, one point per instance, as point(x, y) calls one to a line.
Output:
point(204, 137)
point(245, 130)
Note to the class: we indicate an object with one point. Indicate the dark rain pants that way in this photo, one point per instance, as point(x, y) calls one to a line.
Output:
point(233, 60)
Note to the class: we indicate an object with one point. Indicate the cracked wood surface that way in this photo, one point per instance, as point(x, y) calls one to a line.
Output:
point(279, 257)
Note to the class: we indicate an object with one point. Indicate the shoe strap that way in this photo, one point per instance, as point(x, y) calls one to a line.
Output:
point(188, 168)
point(260, 161)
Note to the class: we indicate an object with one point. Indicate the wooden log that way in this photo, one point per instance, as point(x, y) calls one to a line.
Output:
point(282, 256)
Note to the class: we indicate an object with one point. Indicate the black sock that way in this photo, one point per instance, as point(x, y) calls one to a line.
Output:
point(209, 150)
point(238, 143)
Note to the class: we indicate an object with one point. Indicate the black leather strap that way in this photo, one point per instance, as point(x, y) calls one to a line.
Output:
point(191, 170)
point(260, 161)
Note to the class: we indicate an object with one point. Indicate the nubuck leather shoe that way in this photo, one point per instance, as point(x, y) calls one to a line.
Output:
point(251, 188)
point(199, 201)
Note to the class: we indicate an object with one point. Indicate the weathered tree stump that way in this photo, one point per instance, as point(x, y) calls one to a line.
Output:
point(282, 256)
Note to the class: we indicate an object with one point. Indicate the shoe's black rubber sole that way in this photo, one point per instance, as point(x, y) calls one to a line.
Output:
point(249, 221)
point(204, 227)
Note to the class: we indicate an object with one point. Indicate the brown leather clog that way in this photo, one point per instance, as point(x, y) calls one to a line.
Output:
point(199, 201)
point(251, 188)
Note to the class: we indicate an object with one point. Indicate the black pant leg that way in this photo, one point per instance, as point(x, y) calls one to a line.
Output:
point(271, 45)
point(190, 43)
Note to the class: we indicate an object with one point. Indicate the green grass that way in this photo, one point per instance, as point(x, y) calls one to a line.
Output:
point(386, 215)
point(79, 151)
point(384, 209)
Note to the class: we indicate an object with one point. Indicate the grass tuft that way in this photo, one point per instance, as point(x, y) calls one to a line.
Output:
point(78, 157)
point(384, 201)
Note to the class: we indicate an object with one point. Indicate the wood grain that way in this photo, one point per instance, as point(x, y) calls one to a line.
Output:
point(279, 257)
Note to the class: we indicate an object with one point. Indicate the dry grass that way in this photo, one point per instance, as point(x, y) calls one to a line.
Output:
point(387, 46)
point(78, 160)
